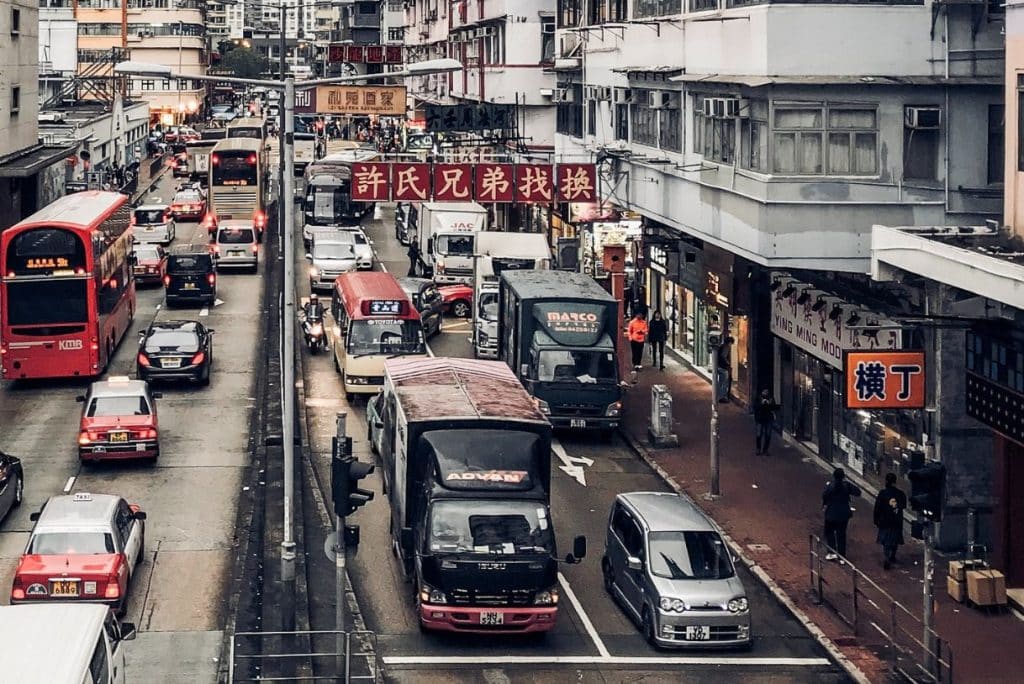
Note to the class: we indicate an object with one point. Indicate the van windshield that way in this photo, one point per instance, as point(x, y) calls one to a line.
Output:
point(333, 250)
point(689, 555)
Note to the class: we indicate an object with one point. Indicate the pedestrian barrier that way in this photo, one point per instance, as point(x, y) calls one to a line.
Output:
point(878, 620)
point(307, 656)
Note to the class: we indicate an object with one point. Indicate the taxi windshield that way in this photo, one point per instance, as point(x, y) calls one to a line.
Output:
point(70, 543)
point(131, 405)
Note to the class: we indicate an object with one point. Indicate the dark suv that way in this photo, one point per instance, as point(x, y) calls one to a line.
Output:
point(191, 275)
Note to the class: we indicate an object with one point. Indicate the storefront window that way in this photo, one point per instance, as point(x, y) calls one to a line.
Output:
point(873, 443)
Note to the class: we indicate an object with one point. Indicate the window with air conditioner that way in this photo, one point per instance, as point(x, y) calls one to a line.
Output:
point(818, 139)
point(921, 149)
point(714, 136)
point(621, 122)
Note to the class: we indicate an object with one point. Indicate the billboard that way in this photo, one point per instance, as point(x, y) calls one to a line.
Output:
point(359, 99)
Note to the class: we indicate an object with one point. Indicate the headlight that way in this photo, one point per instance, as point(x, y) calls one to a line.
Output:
point(481, 337)
point(543, 407)
point(430, 595)
point(739, 605)
point(357, 380)
point(548, 597)
point(670, 605)
point(614, 409)
point(314, 271)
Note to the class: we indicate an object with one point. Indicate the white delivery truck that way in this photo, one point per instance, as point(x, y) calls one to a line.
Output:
point(446, 232)
point(497, 252)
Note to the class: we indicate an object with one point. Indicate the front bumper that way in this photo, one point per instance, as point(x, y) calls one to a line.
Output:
point(191, 296)
point(187, 215)
point(452, 279)
point(517, 619)
point(109, 451)
point(372, 386)
point(720, 630)
point(486, 352)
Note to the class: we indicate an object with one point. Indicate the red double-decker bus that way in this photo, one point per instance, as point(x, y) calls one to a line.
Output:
point(67, 295)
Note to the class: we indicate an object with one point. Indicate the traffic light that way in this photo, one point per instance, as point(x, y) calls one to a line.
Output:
point(346, 472)
point(927, 490)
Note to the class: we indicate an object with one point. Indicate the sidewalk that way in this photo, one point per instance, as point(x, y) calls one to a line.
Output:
point(771, 504)
point(148, 179)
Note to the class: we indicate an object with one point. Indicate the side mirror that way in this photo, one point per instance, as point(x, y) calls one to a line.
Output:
point(405, 538)
point(309, 257)
point(579, 550)
point(157, 395)
point(634, 563)
point(128, 631)
point(33, 516)
point(142, 332)
point(139, 515)
point(210, 331)
point(80, 398)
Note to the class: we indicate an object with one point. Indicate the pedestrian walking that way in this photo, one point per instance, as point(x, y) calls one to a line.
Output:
point(414, 254)
point(889, 506)
point(723, 381)
point(764, 421)
point(835, 502)
point(656, 335)
point(637, 334)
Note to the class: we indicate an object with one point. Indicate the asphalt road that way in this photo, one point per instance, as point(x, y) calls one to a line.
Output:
point(593, 640)
point(178, 598)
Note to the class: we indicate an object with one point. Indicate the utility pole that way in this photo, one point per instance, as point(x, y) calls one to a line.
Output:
point(339, 564)
point(714, 343)
point(288, 318)
point(927, 593)
point(282, 208)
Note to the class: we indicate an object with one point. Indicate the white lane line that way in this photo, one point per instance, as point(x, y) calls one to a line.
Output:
point(69, 484)
point(204, 311)
point(159, 306)
point(584, 618)
point(714, 661)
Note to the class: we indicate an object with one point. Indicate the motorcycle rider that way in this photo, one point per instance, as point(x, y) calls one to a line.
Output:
point(313, 314)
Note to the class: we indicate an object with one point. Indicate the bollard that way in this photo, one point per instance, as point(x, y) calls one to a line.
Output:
point(659, 430)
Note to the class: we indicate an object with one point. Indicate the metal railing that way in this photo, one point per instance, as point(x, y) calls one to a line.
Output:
point(307, 656)
point(877, 619)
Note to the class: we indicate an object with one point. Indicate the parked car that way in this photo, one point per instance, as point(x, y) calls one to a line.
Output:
point(153, 223)
point(667, 565)
point(150, 264)
point(12, 483)
point(427, 300)
point(457, 299)
point(119, 420)
point(175, 350)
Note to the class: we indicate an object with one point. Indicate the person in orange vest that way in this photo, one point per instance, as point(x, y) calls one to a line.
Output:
point(637, 334)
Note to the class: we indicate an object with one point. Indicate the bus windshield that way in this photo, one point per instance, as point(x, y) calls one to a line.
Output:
point(235, 168)
point(385, 336)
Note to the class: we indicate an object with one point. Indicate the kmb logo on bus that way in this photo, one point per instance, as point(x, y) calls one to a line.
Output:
point(69, 345)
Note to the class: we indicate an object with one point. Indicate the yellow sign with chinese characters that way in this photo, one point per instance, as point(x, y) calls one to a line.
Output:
point(355, 99)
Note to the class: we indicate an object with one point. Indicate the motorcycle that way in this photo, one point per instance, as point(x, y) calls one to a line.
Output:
point(313, 330)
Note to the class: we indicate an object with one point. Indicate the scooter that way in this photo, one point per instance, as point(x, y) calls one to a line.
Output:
point(313, 329)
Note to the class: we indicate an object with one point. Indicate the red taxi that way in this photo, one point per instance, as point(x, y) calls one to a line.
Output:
point(189, 204)
point(457, 299)
point(118, 421)
point(150, 264)
point(83, 547)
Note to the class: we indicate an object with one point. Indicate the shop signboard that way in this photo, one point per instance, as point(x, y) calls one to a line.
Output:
point(305, 101)
point(691, 267)
point(493, 183)
point(453, 182)
point(411, 182)
point(882, 379)
point(360, 54)
point(371, 182)
point(663, 258)
point(995, 383)
point(359, 99)
point(825, 326)
point(571, 323)
point(465, 118)
point(718, 279)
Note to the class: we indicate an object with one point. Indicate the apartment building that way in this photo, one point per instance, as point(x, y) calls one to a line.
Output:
point(168, 32)
point(760, 142)
point(32, 173)
point(507, 49)
point(58, 46)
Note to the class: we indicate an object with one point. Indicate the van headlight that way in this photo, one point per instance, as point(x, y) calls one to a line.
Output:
point(430, 595)
point(613, 409)
point(548, 597)
point(739, 605)
point(543, 407)
point(357, 379)
point(671, 605)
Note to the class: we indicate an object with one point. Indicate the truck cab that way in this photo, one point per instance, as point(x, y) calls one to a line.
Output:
point(447, 237)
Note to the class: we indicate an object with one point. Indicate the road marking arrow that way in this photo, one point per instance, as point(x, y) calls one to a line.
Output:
point(571, 465)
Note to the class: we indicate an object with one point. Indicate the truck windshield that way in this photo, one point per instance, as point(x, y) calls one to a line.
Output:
point(689, 555)
point(390, 336)
point(556, 365)
point(455, 245)
point(490, 527)
point(489, 306)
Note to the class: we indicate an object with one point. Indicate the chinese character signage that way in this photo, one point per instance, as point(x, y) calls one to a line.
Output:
point(305, 101)
point(577, 182)
point(468, 117)
point(482, 182)
point(884, 379)
point(365, 54)
point(335, 54)
point(383, 100)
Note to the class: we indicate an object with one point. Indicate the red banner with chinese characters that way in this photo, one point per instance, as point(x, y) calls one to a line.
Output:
point(577, 183)
point(371, 182)
point(374, 54)
point(355, 53)
point(335, 54)
point(494, 183)
point(393, 54)
point(534, 183)
point(410, 182)
point(453, 182)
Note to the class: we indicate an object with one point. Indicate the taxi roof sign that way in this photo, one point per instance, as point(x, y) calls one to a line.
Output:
point(82, 496)
point(118, 378)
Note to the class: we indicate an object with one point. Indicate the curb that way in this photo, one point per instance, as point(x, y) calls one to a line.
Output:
point(851, 669)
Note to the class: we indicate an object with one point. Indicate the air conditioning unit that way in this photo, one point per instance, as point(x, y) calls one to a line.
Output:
point(548, 28)
point(604, 93)
point(721, 107)
point(563, 95)
point(922, 118)
point(662, 99)
point(623, 95)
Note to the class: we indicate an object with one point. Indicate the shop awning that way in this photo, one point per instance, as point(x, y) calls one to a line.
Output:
point(649, 69)
point(756, 81)
point(34, 161)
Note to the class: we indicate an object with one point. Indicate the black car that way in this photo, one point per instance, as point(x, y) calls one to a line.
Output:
point(427, 301)
point(191, 275)
point(175, 350)
point(12, 483)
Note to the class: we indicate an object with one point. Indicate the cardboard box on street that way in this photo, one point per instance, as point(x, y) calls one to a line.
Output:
point(986, 587)
point(958, 568)
point(957, 590)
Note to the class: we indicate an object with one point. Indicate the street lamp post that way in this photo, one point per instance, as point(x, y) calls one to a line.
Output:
point(287, 89)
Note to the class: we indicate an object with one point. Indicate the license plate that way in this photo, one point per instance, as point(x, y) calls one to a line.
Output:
point(118, 436)
point(492, 618)
point(577, 423)
point(235, 252)
point(64, 588)
point(699, 633)
point(140, 447)
point(170, 363)
point(190, 286)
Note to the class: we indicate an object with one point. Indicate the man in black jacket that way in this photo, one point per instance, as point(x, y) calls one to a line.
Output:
point(657, 333)
point(764, 421)
point(889, 506)
point(835, 502)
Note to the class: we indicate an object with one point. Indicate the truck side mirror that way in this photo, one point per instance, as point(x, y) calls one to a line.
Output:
point(406, 540)
point(634, 563)
point(579, 550)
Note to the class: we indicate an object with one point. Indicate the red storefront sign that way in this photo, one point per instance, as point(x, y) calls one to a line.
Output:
point(453, 182)
point(374, 54)
point(534, 184)
point(493, 182)
point(371, 182)
point(410, 182)
point(335, 54)
point(393, 54)
point(577, 183)
point(355, 53)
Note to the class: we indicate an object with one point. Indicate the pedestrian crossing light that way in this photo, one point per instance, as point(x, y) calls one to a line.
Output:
point(927, 490)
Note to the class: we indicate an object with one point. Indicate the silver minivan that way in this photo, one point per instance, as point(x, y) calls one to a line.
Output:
point(235, 245)
point(330, 255)
point(667, 565)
